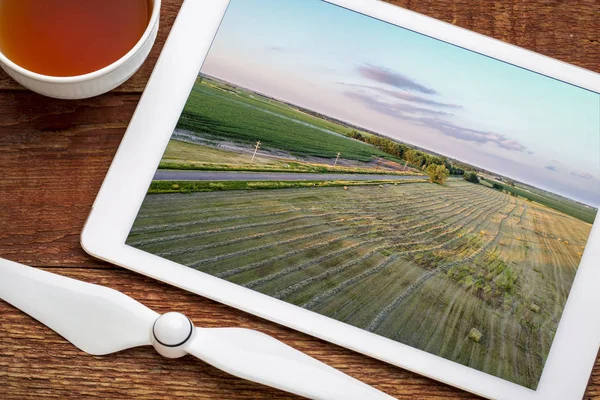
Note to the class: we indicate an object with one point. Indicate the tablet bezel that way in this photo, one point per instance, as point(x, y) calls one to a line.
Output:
point(569, 363)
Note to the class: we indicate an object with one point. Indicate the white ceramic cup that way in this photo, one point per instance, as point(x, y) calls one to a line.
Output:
point(94, 83)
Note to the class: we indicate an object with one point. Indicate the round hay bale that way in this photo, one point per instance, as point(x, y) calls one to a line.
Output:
point(475, 335)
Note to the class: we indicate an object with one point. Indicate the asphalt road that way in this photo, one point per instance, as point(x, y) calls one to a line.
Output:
point(170, 175)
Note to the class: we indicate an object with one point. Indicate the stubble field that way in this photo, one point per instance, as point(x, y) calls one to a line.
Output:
point(461, 271)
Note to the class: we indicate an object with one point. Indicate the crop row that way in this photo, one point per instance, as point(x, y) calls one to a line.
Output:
point(364, 211)
point(398, 233)
point(268, 208)
point(333, 271)
point(411, 289)
point(319, 299)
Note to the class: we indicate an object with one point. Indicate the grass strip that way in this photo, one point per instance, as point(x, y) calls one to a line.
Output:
point(294, 168)
point(158, 187)
point(566, 206)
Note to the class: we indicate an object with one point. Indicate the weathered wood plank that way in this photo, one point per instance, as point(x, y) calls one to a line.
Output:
point(567, 30)
point(53, 158)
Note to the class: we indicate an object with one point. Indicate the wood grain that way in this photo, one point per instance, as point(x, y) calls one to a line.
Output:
point(568, 30)
point(53, 158)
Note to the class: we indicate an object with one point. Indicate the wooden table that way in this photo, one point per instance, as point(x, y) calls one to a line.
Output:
point(53, 157)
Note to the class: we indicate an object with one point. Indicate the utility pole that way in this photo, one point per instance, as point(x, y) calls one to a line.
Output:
point(337, 158)
point(255, 150)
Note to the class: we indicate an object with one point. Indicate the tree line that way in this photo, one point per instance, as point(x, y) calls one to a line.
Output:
point(415, 158)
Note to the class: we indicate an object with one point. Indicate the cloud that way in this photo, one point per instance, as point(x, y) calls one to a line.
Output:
point(584, 175)
point(417, 99)
point(433, 119)
point(406, 96)
point(394, 110)
point(391, 78)
point(474, 135)
point(281, 49)
point(551, 168)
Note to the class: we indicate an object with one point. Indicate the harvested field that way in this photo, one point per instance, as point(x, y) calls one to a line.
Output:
point(461, 271)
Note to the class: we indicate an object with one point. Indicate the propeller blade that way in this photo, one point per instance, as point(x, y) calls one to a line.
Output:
point(96, 319)
point(100, 321)
point(257, 357)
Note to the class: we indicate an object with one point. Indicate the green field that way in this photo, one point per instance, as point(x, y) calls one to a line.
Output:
point(245, 118)
point(461, 270)
point(157, 187)
point(558, 203)
point(255, 99)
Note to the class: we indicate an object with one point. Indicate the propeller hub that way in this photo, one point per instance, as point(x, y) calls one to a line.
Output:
point(170, 333)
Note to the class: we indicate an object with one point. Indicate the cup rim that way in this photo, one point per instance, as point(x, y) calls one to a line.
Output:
point(156, 5)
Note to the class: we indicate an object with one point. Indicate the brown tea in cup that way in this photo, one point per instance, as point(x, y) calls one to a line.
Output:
point(70, 37)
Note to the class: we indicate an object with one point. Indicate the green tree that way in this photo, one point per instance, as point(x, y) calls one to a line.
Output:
point(354, 134)
point(414, 157)
point(471, 177)
point(438, 173)
point(456, 171)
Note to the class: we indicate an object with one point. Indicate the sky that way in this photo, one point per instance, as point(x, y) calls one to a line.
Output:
point(416, 89)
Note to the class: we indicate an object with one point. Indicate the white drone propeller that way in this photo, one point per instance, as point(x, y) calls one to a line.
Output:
point(100, 321)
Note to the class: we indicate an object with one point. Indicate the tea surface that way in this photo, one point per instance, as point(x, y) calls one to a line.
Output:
point(70, 37)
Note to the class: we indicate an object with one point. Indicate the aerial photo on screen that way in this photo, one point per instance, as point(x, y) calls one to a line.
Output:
point(399, 184)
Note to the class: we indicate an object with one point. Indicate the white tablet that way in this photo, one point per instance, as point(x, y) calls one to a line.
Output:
point(375, 178)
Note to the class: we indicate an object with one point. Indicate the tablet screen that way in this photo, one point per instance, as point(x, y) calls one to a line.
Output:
point(383, 178)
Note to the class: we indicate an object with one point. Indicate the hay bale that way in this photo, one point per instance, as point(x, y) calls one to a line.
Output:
point(475, 335)
point(535, 308)
point(345, 187)
point(175, 186)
